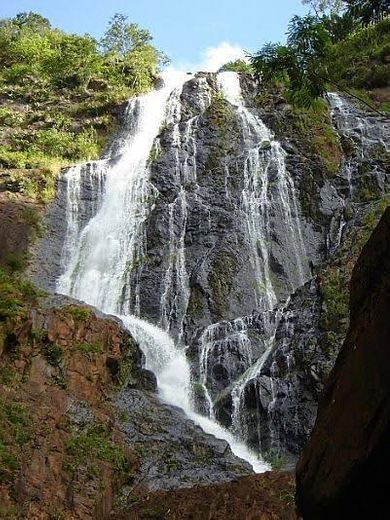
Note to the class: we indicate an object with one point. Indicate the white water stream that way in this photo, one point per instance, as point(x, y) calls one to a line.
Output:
point(264, 153)
point(98, 259)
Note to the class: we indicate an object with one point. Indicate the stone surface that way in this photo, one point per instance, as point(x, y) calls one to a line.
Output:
point(343, 470)
point(19, 224)
point(261, 497)
point(202, 156)
point(89, 425)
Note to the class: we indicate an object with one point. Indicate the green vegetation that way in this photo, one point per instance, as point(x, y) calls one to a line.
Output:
point(335, 279)
point(89, 348)
point(344, 51)
point(53, 354)
point(237, 66)
point(78, 313)
point(335, 294)
point(274, 459)
point(60, 90)
point(361, 60)
point(15, 433)
point(300, 66)
point(84, 449)
point(365, 11)
point(314, 126)
point(16, 295)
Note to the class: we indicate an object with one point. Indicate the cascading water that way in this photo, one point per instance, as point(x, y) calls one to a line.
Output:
point(364, 133)
point(265, 160)
point(362, 129)
point(264, 156)
point(104, 269)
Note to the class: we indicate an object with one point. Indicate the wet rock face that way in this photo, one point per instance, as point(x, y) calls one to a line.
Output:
point(343, 470)
point(175, 453)
point(48, 253)
point(225, 203)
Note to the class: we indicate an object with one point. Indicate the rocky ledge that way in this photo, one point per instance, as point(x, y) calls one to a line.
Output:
point(82, 430)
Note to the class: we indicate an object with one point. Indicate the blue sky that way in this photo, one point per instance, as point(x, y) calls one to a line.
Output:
point(190, 32)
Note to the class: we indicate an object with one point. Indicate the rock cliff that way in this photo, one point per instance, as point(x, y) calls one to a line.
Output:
point(343, 470)
point(238, 219)
point(82, 431)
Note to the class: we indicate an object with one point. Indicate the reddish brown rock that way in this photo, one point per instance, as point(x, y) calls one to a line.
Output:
point(19, 219)
point(269, 496)
point(343, 470)
point(57, 373)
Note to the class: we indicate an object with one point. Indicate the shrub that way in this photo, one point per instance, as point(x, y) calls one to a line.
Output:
point(53, 354)
point(89, 348)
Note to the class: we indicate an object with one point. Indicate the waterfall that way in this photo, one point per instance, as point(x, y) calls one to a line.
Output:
point(95, 173)
point(105, 266)
point(170, 365)
point(111, 245)
point(357, 125)
point(260, 204)
point(367, 134)
point(260, 201)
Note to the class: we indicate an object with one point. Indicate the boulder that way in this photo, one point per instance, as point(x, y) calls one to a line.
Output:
point(343, 469)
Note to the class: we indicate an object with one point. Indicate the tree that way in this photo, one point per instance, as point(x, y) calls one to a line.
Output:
point(368, 11)
point(32, 21)
point(323, 6)
point(237, 66)
point(131, 57)
point(339, 26)
point(301, 64)
point(122, 37)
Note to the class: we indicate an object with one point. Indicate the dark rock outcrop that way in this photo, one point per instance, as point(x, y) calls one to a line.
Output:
point(343, 470)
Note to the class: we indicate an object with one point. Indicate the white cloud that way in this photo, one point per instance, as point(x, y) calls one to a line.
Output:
point(213, 58)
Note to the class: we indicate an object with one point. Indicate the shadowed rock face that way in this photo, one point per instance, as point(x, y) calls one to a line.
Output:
point(343, 470)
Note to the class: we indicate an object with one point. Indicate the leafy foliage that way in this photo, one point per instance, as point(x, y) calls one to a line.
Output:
point(319, 50)
point(60, 89)
point(321, 6)
point(300, 63)
point(237, 66)
point(368, 11)
point(370, 49)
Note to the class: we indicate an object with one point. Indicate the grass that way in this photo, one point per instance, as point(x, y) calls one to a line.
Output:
point(361, 60)
point(15, 433)
point(76, 312)
point(16, 295)
point(54, 132)
point(314, 125)
point(89, 348)
point(94, 444)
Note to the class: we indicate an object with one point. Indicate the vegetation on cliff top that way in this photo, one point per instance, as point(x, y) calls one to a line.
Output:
point(347, 51)
point(58, 92)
